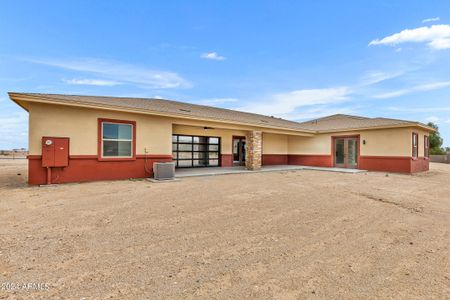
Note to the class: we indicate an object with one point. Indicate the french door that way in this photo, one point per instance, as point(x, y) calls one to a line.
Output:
point(239, 151)
point(346, 152)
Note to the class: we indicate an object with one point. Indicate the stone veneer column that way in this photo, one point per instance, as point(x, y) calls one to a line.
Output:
point(254, 150)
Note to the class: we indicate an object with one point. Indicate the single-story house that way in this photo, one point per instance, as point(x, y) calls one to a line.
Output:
point(84, 138)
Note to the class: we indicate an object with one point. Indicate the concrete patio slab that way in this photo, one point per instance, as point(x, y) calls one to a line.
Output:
point(212, 171)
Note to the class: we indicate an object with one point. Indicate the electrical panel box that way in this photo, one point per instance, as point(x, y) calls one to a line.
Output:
point(55, 152)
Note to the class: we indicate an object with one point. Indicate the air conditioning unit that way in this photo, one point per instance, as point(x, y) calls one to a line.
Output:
point(164, 170)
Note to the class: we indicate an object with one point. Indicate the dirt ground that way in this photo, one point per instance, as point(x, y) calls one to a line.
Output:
point(277, 235)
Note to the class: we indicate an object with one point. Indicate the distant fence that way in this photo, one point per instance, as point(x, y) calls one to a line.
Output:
point(445, 159)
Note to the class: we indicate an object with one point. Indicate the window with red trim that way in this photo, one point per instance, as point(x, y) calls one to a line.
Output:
point(415, 143)
point(116, 139)
point(426, 146)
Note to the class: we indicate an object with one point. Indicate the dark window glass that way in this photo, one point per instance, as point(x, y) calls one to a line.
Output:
point(200, 147)
point(213, 147)
point(185, 163)
point(184, 155)
point(184, 139)
point(117, 131)
point(213, 162)
point(117, 139)
point(184, 147)
point(200, 163)
point(214, 155)
point(200, 139)
point(213, 140)
point(116, 148)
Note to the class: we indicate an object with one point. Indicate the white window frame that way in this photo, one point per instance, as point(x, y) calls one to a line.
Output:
point(118, 140)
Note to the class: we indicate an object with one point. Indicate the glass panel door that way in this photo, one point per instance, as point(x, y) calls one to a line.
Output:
point(352, 153)
point(346, 152)
point(340, 153)
point(238, 151)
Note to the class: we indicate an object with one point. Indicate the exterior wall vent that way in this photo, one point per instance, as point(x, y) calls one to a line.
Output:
point(164, 170)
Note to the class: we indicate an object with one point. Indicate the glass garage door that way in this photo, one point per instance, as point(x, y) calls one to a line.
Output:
point(195, 151)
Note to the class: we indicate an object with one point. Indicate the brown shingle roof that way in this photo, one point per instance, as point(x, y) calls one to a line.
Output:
point(171, 108)
point(341, 122)
point(337, 122)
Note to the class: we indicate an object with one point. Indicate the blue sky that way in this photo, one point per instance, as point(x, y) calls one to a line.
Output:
point(294, 59)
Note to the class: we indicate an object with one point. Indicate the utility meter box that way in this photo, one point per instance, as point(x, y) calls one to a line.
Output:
point(55, 152)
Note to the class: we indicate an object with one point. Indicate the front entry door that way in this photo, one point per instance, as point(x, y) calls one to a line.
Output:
point(346, 153)
point(238, 151)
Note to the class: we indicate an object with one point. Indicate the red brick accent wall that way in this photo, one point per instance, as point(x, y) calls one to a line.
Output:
point(317, 160)
point(274, 159)
point(89, 168)
point(226, 160)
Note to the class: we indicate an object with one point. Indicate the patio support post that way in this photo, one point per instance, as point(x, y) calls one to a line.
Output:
point(254, 150)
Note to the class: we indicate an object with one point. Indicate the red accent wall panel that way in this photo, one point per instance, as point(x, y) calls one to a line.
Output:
point(399, 164)
point(89, 168)
point(310, 160)
point(226, 160)
point(274, 159)
point(420, 165)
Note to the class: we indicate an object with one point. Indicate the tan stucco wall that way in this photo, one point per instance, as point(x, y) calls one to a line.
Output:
point(226, 135)
point(383, 142)
point(275, 143)
point(80, 125)
point(154, 133)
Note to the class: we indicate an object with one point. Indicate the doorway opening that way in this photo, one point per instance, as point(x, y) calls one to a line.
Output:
point(239, 151)
point(346, 152)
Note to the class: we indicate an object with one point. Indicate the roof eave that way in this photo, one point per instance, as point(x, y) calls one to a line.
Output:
point(31, 98)
point(379, 127)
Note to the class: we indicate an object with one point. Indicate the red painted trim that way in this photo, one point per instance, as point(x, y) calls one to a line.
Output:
point(34, 156)
point(154, 156)
point(314, 160)
point(87, 168)
point(275, 159)
point(426, 147)
point(83, 157)
point(99, 140)
point(333, 145)
point(385, 157)
point(417, 145)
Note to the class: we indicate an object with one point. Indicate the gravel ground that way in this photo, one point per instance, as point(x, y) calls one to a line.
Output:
point(282, 235)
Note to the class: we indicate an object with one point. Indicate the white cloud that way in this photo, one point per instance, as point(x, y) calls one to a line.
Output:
point(319, 112)
point(213, 101)
point(212, 55)
point(431, 20)
point(286, 103)
point(375, 77)
point(436, 36)
point(120, 72)
point(448, 121)
point(96, 82)
point(433, 119)
point(417, 88)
